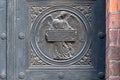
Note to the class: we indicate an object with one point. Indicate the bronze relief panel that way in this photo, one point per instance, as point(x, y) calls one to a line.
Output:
point(60, 35)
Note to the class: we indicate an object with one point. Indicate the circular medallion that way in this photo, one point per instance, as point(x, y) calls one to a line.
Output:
point(60, 35)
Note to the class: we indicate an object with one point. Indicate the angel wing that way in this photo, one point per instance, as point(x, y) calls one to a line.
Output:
point(47, 22)
point(73, 22)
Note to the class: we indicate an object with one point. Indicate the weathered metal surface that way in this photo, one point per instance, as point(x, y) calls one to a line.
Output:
point(56, 18)
point(55, 39)
point(3, 36)
point(85, 9)
point(61, 35)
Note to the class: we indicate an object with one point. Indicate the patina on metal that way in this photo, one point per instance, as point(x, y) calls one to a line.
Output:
point(60, 35)
point(53, 40)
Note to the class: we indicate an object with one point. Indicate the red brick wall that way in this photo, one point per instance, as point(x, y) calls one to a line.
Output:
point(113, 39)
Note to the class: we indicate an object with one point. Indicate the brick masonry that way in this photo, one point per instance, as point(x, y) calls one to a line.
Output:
point(113, 39)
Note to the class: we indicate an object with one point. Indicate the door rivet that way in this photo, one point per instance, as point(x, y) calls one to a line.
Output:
point(21, 75)
point(2, 75)
point(21, 35)
point(60, 75)
point(101, 75)
point(101, 35)
point(3, 36)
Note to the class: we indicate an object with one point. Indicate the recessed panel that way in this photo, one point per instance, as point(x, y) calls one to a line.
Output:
point(60, 35)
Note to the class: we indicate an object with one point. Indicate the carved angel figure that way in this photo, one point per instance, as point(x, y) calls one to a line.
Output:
point(63, 49)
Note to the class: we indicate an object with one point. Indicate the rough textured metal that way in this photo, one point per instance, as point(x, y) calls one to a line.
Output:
point(35, 60)
point(86, 59)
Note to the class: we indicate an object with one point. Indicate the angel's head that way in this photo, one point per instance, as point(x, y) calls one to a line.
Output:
point(62, 15)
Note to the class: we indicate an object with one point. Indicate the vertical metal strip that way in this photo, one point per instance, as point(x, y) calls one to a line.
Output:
point(2, 39)
point(11, 39)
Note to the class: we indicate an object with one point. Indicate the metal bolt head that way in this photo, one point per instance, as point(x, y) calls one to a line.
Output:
point(3, 36)
point(2, 75)
point(60, 75)
point(21, 75)
point(101, 75)
point(21, 35)
point(101, 35)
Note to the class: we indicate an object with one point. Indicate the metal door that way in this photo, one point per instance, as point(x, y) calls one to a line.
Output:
point(56, 39)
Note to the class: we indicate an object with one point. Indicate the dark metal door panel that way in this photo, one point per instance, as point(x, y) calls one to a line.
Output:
point(58, 40)
point(3, 40)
